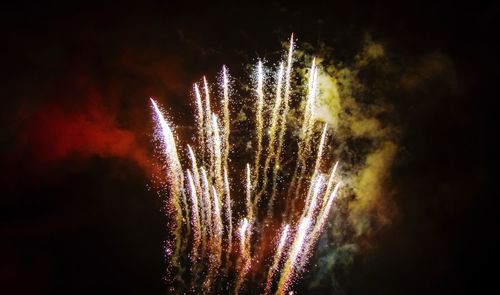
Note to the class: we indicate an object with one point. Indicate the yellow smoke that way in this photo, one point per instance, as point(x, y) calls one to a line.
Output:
point(354, 118)
point(369, 188)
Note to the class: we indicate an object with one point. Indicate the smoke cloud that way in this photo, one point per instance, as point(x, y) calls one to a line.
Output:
point(357, 98)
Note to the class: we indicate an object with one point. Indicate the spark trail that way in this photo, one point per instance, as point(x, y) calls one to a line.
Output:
point(174, 175)
point(227, 122)
point(259, 120)
point(286, 99)
point(277, 258)
point(272, 133)
point(195, 216)
point(202, 197)
point(289, 267)
point(305, 134)
point(229, 217)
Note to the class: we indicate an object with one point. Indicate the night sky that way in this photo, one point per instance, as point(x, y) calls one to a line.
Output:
point(78, 214)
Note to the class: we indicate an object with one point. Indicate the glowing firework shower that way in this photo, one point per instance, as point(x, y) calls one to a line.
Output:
point(227, 237)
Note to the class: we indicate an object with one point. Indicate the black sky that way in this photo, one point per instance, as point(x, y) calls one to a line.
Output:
point(84, 220)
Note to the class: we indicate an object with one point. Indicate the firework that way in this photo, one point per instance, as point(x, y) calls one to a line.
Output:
point(227, 122)
point(277, 258)
point(195, 216)
point(295, 251)
point(286, 106)
point(229, 217)
point(259, 119)
point(271, 149)
point(244, 258)
point(207, 219)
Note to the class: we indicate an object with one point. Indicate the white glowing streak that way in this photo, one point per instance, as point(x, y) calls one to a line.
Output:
point(277, 257)
point(310, 95)
point(176, 178)
point(307, 127)
point(304, 132)
point(331, 179)
point(286, 99)
point(272, 131)
point(242, 231)
point(259, 120)
point(200, 116)
point(314, 93)
point(250, 213)
point(307, 200)
point(326, 207)
point(208, 109)
point(320, 223)
point(320, 148)
point(225, 82)
point(289, 69)
point(194, 167)
point(206, 201)
point(229, 214)
point(249, 193)
point(217, 212)
point(217, 153)
point(244, 235)
point(282, 128)
point(308, 114)
point(199, 193)
point(195, 220)
point(170, 147)
point(294, 253)
point(313, 201)
point(276, 107)
point(208, 126)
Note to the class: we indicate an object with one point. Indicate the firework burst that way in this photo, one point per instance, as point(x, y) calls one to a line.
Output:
point(201, 200)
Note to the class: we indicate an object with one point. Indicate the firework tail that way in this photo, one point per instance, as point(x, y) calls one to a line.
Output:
point(321, 146)
point(312, 196)
point(331, 179)
point(259, 120)
point(218, 228)
point(282, 128)
point(175, 178)
point(249, 207)
point(199, 194)
point(295, 251)
point(314, 177)
point(199, 116)
point(208, 130)
point(217, 148)
point(320, 223)
point(244, 258)
point(208, 226)
point(227, 123)
point(229, 217)
point(272, 132)
point(305, 120)
point(195, 219)
point(306, 133)
point(276, 258)
point(206, 203)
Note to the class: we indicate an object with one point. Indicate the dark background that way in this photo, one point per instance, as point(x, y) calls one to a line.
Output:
point(76, 212)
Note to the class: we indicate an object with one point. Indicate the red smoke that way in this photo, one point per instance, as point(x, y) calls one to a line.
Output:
point(85, 115)
point(53, 133)
point(79, 122)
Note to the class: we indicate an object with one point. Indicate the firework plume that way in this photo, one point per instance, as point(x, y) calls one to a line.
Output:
point(211, 192)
